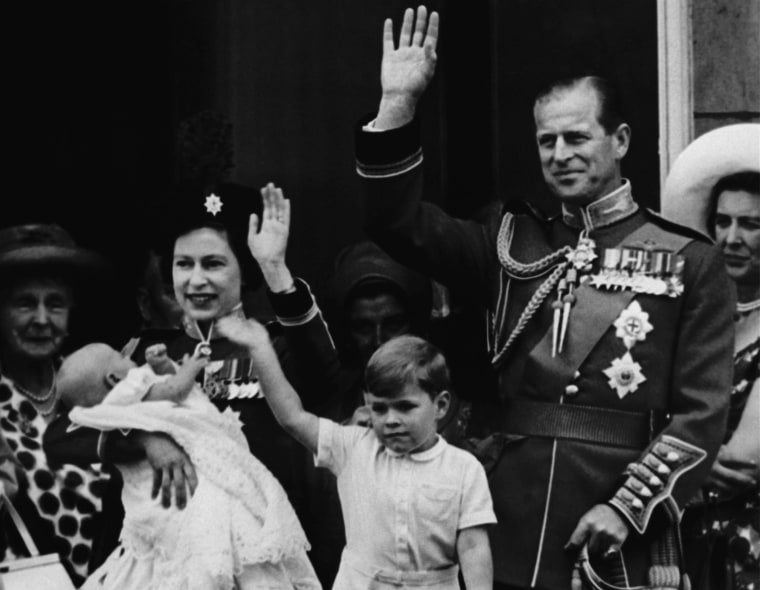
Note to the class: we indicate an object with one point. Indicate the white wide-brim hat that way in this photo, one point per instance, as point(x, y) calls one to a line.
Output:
point(718, 153)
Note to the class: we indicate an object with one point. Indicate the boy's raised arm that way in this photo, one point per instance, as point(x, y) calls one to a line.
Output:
point(474, 552)
point(280, 395)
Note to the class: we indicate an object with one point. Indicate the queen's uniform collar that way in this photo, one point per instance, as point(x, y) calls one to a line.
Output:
point(611, 208)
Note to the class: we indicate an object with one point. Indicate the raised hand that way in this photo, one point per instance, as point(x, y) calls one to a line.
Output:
point(406, 69)
point(268, 240)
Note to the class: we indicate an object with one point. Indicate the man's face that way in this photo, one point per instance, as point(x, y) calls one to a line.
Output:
point(737, 232)
point(407, 422)
point(579, 159)
point(375, 319)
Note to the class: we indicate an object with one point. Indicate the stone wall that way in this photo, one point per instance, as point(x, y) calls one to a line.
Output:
point(726, 36)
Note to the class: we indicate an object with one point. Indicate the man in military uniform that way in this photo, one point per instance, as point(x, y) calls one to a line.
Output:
point(610, 330)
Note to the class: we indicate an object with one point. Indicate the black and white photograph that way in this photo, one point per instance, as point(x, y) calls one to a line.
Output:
point(381, 295)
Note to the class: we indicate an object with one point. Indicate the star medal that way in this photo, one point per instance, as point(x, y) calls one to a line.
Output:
point(633, 325)
point(624, 375)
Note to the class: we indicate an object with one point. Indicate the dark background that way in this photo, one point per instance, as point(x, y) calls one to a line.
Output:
point(97, 91)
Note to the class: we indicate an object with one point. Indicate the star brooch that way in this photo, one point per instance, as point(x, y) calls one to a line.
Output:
point(213, 204)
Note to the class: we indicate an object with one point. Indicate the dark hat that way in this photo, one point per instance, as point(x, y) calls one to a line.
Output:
point(225, 208)
point(363, 264)
point(24, 246)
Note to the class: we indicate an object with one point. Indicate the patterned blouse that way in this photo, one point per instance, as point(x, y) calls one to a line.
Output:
point(60, 504)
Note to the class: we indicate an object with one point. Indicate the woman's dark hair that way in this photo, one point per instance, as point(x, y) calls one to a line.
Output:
point(185, 211)
point(403, 361)
point(748, 181)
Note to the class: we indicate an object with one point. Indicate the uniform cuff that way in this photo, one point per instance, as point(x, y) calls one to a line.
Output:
point(392, 152)
point(295, 308)
point(651, 480)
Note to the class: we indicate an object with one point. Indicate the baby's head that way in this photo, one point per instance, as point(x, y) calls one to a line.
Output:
point(407, 387)
point(88, 374)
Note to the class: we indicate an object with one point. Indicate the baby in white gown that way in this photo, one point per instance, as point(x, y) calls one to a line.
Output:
point(237, 531)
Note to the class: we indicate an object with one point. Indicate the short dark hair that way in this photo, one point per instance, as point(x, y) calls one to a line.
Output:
point(406, 360)
point(610, 115)
point(747, 180)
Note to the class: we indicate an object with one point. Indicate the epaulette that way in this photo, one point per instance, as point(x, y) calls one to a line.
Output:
point(674, 227)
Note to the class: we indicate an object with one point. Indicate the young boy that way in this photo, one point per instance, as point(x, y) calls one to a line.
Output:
point(415, 508)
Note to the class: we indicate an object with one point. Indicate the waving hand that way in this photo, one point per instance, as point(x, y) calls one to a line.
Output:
point(406, 69)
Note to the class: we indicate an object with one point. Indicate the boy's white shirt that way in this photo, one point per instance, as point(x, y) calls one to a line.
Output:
point(402, 512)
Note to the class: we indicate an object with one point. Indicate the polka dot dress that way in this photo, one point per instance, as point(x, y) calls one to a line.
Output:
point(67, 499)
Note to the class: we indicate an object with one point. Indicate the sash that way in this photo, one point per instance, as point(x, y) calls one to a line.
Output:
point(595, 310)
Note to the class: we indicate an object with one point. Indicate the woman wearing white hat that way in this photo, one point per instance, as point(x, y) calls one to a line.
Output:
point(714, 186)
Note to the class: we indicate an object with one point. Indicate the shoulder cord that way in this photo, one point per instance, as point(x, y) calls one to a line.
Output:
point(520, 270)
point(535, 302)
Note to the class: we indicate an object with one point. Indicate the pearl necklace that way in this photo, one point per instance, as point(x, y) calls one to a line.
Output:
point(51, 397)
point(748, 306)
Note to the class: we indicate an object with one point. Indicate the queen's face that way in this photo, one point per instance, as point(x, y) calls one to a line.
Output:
point(206, 274)
point(34, 318)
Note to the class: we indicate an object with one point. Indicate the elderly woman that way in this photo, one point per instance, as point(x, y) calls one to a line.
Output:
point(715, 187)
point(39, 265)
point(209, 244)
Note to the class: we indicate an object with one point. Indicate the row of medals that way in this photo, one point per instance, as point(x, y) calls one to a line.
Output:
point(642, 270)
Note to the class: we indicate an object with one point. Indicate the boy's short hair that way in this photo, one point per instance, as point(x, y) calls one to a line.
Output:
point(403, 361)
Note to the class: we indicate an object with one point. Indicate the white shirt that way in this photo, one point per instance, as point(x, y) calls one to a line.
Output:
point(401, 512)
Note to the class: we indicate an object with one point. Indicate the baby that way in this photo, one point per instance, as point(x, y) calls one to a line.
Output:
point(238, 529)
point(415, 508)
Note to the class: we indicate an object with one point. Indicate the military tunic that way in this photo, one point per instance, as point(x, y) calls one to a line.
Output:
point(631, 412)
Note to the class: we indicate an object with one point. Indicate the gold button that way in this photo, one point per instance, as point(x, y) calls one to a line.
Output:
point(571, 390)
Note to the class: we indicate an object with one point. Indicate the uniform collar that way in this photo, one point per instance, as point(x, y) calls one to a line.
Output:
point(429, 455)
point(611, 208)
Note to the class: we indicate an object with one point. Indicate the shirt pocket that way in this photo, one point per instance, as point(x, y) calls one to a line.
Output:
point(437, 502)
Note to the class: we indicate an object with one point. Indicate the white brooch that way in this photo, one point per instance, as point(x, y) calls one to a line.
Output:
point(213, 204)
point(633, 325)
point(624, 375)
